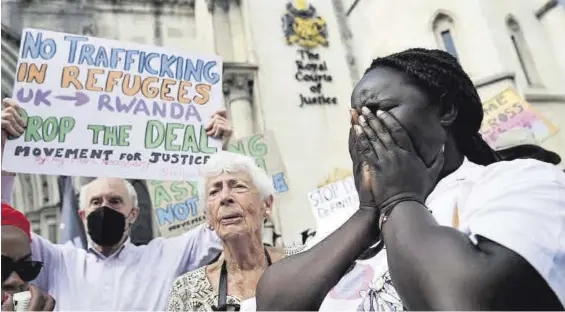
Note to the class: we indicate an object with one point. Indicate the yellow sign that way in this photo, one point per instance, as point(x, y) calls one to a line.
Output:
point(508, 111)
point(302, 26)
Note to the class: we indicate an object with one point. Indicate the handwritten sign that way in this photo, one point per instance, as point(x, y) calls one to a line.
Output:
point(97, 107)
point(332, 205)
point(175, 203)
point(175, 206)
point(508, 111)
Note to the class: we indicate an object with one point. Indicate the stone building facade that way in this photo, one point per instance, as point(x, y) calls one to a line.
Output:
point(290, 67)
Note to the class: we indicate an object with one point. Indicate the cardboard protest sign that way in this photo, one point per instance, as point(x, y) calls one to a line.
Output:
point(97, 107)
point(508, 111)
point(332, 205)
point(175, 203)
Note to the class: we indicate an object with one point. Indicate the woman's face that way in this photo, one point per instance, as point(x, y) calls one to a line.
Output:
point(234, 204)
point(390, 90)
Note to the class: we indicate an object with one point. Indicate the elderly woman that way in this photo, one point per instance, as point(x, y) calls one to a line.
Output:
point(493, 239)
point(237, 196)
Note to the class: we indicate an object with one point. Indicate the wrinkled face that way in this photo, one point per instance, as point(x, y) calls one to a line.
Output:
point(234, 205)
point(112, 193)
point(16, 246)
point(390, 90)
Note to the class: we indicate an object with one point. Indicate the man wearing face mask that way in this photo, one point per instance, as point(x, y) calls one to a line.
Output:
point(113, 274)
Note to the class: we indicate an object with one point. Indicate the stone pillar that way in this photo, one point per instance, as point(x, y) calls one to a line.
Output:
point(237, 32)
point(554, 23)
point(221, 24)
point(239, 102)
point(204, 26)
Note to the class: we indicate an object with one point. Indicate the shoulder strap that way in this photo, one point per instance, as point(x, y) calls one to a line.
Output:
point(223, 286)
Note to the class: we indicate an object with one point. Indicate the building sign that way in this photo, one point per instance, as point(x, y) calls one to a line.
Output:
point(312, 70)
point(304, 28)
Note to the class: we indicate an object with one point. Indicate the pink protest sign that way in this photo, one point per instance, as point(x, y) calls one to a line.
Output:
point(508, 111)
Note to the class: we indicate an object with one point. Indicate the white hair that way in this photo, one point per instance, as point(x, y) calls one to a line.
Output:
point(83, 201)
point(227, 162)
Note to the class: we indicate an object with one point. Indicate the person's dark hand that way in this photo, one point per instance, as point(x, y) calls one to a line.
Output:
point(361, 171)
point(396, 171)
point(39, 301)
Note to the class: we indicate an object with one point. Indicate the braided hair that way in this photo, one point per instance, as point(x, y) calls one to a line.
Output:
point(439, 74)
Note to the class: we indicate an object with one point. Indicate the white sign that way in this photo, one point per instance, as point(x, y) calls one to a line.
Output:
point(97, 107)
point(332, 205)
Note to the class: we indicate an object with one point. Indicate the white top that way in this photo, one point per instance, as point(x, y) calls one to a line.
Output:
point(518, 204)
point(133, 278)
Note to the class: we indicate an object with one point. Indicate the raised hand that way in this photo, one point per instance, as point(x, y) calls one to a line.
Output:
point(12, 122)
point(361, 170)
point(396, 170)
point(219, 127)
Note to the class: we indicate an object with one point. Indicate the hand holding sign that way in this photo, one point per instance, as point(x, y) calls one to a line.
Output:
point(12, 123)
point(219, 126)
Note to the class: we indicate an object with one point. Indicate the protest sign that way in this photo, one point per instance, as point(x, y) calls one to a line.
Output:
point(508, 111)
point(332, 205)
point(97, 107)
point(175, 203)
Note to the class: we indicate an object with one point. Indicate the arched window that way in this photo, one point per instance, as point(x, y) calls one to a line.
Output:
point(444, 30)
point(523, 52)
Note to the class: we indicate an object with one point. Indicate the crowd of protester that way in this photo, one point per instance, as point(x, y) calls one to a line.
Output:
point(444, 221)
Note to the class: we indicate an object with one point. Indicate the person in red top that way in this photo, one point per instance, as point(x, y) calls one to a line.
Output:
point(18, 269)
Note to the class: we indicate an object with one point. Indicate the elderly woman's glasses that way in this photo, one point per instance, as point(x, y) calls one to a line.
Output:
point(27, 270)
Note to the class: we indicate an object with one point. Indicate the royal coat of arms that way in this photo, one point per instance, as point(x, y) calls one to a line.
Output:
point(302, 25)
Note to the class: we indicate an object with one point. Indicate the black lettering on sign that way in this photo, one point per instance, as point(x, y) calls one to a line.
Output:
point(312, 70)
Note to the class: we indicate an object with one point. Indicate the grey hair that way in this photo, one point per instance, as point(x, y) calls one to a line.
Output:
point(84, 189)
point(227, 162)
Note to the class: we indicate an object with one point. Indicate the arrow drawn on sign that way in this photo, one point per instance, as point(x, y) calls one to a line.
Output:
point(79, 98)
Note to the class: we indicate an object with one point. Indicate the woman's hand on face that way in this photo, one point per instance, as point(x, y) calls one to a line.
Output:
point(395, 168)
point(361, 170)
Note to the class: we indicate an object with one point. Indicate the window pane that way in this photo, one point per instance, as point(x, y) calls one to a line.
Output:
point(36, 228)
point(521, 59)
point(449, 43)
point(52, 232)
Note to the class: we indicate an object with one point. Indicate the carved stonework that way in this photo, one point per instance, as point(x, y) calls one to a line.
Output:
point(237, 82)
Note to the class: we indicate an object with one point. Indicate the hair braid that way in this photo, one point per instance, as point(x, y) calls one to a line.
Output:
point(445, 81)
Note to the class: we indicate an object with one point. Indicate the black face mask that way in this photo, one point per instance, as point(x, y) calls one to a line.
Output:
point(106, 226)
